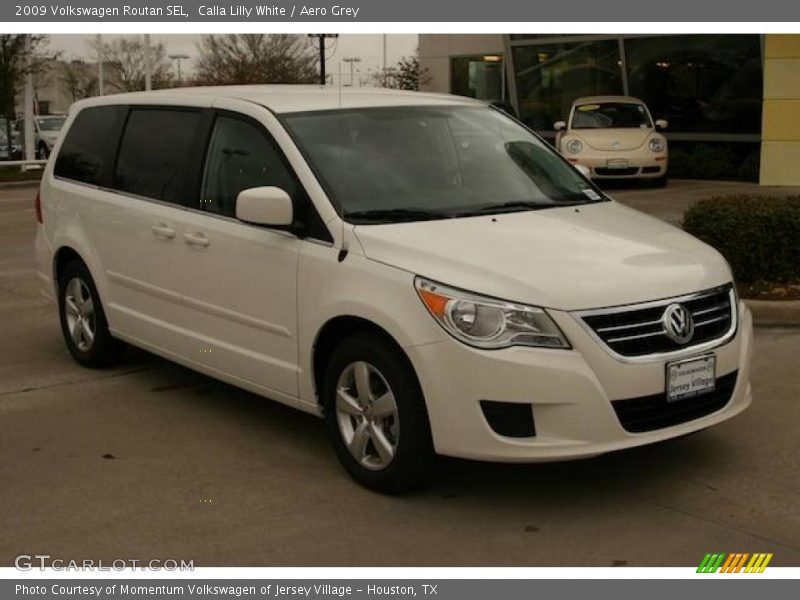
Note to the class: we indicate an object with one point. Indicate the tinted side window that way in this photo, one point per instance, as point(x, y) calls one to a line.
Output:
point(240, 156)
point(155, 153)
point(89, 147)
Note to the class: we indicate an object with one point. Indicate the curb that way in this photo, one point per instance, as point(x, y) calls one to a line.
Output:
point(770, 313)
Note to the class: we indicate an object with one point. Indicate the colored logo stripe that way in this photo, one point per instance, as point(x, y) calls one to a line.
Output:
point(735, 562)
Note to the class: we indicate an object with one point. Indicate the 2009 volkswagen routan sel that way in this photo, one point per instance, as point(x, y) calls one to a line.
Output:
point(421, 270)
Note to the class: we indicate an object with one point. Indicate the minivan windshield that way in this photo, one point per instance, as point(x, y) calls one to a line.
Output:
point(409, 163)
point(608, 115)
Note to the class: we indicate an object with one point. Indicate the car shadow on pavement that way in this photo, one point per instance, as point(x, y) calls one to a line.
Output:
point(270, 428)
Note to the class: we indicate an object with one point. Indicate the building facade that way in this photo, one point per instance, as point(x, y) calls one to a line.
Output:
point(732, 101)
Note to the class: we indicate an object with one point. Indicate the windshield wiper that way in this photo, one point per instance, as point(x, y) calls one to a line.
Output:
point(514, 206)
point(390, 215)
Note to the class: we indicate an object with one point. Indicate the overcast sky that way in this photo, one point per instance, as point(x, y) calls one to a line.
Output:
point(368, 48)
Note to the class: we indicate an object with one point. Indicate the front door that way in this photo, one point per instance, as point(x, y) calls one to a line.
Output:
point(239, 280)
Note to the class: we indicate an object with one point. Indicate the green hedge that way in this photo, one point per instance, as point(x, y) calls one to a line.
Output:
point(759, 236)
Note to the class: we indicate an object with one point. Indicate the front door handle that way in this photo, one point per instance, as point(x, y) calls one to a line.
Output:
point(163, 231)
point(196, 239)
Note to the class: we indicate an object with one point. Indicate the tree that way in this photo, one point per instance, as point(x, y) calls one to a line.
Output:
point(126, 61)
point(14, 66)
point(406, 74)
point(255, 58)
point(78, 80)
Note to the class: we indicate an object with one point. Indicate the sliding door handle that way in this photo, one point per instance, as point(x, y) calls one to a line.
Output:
point(163, 231)
point(196, 239)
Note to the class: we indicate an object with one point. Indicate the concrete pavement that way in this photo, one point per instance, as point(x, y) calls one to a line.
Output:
point(151, 460)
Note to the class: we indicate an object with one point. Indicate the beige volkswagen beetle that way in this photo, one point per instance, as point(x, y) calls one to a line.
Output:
point(614, 137)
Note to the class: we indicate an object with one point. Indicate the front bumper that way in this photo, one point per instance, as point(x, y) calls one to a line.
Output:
point(637, 163)
point(570, 390)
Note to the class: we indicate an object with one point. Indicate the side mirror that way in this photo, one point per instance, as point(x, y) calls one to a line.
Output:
point(584, 170)
point(267, 205)
point(559, 125)
point(662, 124)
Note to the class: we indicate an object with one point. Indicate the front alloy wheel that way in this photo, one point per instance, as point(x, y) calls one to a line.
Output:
point(370, 396)
point(366, 412)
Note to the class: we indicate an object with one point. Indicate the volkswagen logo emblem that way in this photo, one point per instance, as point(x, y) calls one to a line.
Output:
point(678, 323)
point(615, 144)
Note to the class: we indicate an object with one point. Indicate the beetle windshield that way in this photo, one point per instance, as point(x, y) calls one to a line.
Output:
point(420, 162)
point(608, 115)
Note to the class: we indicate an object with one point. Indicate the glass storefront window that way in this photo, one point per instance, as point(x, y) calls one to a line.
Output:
point(478, 77)
point(550, 77)
point(700, 83)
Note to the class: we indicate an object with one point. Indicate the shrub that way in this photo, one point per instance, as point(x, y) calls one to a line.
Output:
point(759, 236)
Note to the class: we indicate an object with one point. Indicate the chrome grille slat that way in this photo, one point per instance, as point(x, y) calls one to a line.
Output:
point(709, 321)
point(632, 326)
point(629, 332)
point(634, 337)
point(706, 311)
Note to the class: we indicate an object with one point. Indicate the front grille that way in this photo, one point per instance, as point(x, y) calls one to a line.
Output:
point(639, 331)
point(649, 413)
point(624, 172)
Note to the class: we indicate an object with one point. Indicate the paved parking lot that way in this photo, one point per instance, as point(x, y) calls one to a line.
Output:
point(151, 460)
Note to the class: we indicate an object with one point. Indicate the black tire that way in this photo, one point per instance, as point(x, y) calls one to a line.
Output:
point(413, 461)
point(103, 350)
point(661, 182)
point(43, 152)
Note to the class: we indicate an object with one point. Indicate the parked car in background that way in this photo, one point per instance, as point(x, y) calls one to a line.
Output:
point(614, 137)
point(46, 132)
point(12, 151)
point(420, 270)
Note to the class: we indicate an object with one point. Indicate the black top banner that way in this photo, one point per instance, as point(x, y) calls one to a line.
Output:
point(400, 11)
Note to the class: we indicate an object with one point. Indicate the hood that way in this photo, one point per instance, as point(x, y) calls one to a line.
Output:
point(627, 138)
point(566, 258)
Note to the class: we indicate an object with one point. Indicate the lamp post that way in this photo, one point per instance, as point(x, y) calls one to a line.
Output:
point(148, 64)
point(100, 83)
point(179, 58)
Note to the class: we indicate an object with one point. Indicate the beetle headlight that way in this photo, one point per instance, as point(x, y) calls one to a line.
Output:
point(657, 144)
point(574, 146)
point(487, 322)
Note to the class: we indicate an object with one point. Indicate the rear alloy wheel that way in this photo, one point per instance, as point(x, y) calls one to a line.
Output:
point(375, 415)
point(80, 315)
point(83, 321)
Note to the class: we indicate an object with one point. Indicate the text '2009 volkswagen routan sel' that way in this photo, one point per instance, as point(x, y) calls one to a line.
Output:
point(419, 269)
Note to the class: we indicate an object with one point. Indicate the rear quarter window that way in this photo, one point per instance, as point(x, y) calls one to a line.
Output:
point(156, 152)
point(88, 149)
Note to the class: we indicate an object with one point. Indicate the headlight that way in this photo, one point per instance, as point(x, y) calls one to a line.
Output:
point(487, 322)
point(657, 144)
point(574, 146)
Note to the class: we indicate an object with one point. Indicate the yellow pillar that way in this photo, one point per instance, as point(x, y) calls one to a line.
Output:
point(780, 146)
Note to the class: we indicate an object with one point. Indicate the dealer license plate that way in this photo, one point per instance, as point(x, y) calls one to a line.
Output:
point(616, 163)
point(687, 378)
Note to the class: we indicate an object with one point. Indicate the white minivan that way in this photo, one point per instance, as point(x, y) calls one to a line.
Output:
point(421, 270)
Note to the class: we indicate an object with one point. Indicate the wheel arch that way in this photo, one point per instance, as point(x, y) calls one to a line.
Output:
point(336, 329)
